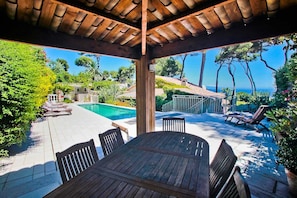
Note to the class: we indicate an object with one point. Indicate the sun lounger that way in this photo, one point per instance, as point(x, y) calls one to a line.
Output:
point(253, 120)
point(56, 111)
point(54, 104)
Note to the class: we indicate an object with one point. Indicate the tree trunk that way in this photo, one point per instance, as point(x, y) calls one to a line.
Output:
point(286, 50)
point(202, 67)
point(183, 65)
point(233, 82)
point(264, 61)
point(248, 73)
point(217, 77)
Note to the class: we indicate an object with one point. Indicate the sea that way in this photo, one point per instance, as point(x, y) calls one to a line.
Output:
point(246, 90)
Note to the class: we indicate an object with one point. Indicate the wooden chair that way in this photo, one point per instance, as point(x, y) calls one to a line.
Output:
point(235, 187)
point(76, 159)
point(174, 124)
point(221, 167)
point(111, 140)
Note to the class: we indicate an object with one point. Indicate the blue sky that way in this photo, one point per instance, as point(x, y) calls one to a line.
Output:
point(263, 77)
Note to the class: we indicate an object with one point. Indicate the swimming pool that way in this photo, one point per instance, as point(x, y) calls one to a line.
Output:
point(109, 111)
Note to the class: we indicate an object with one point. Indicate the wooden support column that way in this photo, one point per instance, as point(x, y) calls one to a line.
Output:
point(145, 96)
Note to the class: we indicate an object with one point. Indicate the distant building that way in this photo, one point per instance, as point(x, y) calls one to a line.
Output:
point(195, 99)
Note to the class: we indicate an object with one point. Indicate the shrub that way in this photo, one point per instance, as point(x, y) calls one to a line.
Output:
point(25, 81)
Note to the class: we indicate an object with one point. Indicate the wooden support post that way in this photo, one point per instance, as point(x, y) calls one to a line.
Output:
point(145, 96)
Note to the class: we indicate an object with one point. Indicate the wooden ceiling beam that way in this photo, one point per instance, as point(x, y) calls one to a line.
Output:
point(23, 32)
point(259, 29)
point(97, 12)
point(144, 4)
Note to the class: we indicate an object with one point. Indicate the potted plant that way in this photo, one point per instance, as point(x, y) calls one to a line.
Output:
point(284, 120)
point(284, 125)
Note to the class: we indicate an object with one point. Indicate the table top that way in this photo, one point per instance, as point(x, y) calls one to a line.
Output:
point(154, 164)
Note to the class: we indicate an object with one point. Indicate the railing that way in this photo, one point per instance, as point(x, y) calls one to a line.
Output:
point(197, 108)
point(167, 107)
point(193, 104)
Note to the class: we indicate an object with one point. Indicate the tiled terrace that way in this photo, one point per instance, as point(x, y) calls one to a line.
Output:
point(31, 170)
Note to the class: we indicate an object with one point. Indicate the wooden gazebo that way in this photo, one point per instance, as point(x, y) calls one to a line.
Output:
point(144, 30)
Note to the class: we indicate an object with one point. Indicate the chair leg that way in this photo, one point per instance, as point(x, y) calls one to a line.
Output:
point(264, 126)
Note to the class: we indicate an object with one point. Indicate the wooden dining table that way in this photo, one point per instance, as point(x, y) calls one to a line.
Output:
point(154, 164)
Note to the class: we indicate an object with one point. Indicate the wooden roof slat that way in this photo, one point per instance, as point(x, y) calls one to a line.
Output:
point(161, 8)
point(107, 30)
point(151, 42)
point(223, 16)
point(259, 7)
point(154, 39)
point(134, 14)
point(100, 4)
point(121, 6)
point(170, 6)
point(92, 10)
point(213, 19)
point(154, 11)
point(24, 10)
point(86, 24)
point(233, 12)
point(129, 8)
point(181, 28)
point(119, 34)
point(36, 11)
point(189, 27)
point(164, 34)
point(125, 36)
point(173, 36)
point(246, 10)
point(77, 22)
point(113, 33)
point(176, 31)
point(130, 35)
point(180, 5)
point(111, 4)
point(103, 25)
point(94, 27)
point(190, 3)
point(196, 24)
point(151, 17)
point(11, 9)
point(67, 20)
point(135, 40)
point(58, 17)
point(45, 18)
point(205, 22)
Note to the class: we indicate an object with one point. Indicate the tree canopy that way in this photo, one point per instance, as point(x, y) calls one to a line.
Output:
point(168, 67)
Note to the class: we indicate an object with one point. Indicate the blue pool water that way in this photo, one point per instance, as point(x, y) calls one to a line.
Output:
point(110, 112)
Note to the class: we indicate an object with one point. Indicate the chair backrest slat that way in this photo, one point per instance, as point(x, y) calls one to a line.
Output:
point(174, 124)
point(221, 167)
point(235, 187)
point(260, 113)
point(111, 140)
point(76, 159)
